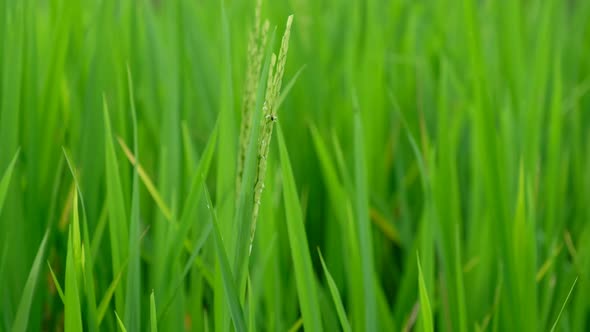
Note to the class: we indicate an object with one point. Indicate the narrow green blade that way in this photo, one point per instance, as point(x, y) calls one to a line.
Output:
point(6, 179)
point(73, 310)
point(425, 309)
point(564, 304)
point(304, 275)
point(335, 296)
point(120, 323)
point(56, 283)
point(364, 227)
point(229, 287)
point(115, 205)
point(22, 315)
point(153, 316)
point(133, 294)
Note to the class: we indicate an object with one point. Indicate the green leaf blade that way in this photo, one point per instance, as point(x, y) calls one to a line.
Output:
point(304, 275)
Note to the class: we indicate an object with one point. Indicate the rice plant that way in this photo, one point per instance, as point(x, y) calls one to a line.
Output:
point(250, 165)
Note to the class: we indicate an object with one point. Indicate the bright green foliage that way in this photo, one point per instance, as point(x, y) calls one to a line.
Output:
point(367, 130)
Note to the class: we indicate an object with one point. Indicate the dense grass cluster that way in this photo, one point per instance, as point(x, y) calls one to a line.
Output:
point(361, 165)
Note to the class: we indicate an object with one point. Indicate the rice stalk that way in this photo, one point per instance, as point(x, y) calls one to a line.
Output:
point(275, 78)
point(256, 45)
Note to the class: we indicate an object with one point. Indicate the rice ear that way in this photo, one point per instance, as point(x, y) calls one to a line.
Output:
point(256, 45)
point(275, 77)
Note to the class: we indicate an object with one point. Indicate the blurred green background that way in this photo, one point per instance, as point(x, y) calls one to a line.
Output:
point(452, 130)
